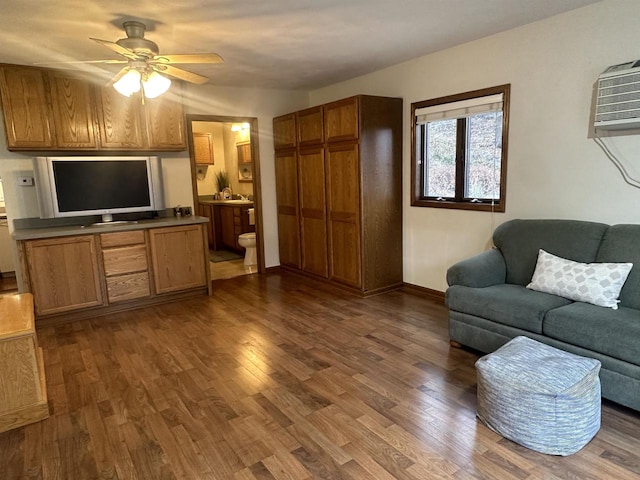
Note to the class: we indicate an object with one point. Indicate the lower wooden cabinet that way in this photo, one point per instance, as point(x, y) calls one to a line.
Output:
point(177, 254)
point(64, 274)
point(23, 390)
point(120, 269)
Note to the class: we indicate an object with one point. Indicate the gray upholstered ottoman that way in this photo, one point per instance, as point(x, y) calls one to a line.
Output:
point(538, 396)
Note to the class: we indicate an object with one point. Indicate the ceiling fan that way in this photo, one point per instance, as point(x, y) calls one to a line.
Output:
point(145, 68)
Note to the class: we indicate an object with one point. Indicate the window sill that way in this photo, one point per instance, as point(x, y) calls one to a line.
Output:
point(479, 207)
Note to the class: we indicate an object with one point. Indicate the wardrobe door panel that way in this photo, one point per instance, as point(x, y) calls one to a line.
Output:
point(343, 203)
point(313, 212)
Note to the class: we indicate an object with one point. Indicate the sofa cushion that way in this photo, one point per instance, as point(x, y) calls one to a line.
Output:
point(621, 243)
point(520, 240)
point(511, 305)
point(615, 333)
point(597, 283)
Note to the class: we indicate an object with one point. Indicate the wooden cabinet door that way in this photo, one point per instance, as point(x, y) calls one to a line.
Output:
point(286, 165)
point(165, 124)
point(25, 108)
point(284, 131)
point(120, 120)
point(341, 120)
point(244, 153)
point(63, 274)
point(343, 204)
point(73, 111)
point(203, 148)
point(205, 210)
point(310, 127)
point(227, 224)
point(178, 258)
point(313, 212)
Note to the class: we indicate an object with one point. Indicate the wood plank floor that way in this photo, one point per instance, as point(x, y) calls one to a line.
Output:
point(279, 377)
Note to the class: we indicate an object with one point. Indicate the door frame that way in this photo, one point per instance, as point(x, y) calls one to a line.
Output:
point(255, 164)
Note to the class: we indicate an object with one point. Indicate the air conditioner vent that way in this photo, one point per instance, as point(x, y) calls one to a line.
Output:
point(618, 97)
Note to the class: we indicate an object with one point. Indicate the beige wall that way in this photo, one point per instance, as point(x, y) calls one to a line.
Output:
point(554, 169)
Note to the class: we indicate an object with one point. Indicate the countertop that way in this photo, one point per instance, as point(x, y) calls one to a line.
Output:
point(48, 232)
point(229, 203)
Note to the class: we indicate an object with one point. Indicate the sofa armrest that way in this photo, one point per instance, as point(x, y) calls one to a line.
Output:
point(482, 270)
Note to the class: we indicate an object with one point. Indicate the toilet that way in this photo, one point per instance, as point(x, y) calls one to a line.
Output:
point(248, 241)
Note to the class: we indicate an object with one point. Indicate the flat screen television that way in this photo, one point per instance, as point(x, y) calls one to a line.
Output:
point(81, 186)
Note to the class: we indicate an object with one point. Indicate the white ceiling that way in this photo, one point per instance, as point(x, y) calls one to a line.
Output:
point(292, 44)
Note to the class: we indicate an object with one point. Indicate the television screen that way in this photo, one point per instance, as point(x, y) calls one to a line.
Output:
point(98, 185)
point(81, 186)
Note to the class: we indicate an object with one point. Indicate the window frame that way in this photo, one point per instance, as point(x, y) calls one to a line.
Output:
point(418, 199)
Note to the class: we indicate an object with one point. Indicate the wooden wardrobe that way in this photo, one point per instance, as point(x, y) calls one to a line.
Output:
point(339, 192)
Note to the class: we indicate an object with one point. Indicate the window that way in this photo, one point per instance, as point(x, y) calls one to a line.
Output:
point(459, 150)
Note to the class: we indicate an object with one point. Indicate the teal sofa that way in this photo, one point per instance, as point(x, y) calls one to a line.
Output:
point(489, 304)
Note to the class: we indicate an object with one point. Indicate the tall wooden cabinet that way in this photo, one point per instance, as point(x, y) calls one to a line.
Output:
point(339, 192)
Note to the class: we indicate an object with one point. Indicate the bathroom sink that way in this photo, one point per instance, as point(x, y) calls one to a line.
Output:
point(237, 202)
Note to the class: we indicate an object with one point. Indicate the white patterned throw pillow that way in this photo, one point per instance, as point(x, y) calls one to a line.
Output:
point(597, 283)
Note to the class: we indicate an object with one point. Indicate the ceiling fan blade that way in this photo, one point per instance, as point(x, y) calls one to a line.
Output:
point(83, 61)
point(118, 76)
point(188, 58)
point(181, 74)
point(125, 52)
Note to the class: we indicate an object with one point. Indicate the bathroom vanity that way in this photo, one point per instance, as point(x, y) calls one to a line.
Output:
point(228, 219)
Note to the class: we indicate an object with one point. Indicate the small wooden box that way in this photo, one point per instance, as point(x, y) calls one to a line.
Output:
point(23, 393)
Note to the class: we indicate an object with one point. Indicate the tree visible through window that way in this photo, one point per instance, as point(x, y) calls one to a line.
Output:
point(459, 150)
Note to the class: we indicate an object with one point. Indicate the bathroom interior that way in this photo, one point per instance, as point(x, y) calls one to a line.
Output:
point(225, 190)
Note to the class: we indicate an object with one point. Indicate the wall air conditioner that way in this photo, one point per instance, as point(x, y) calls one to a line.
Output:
point(618, 97)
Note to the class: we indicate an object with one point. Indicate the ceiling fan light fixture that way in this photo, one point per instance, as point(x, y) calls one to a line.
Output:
point(129, 83)
point(155, 85)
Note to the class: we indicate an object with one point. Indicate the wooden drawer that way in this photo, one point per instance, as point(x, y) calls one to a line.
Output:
point(119, 239)
point(125, 260)
point(128, 287)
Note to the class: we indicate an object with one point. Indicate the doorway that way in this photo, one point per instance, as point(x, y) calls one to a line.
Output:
point(225, 171)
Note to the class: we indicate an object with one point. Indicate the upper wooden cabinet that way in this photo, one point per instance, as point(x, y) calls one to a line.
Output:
point(310, 131)
point(73, 109)
point(120, 120)
point(25, 107)
point(53, 110)
point(284, 131)
point(341, 120)
point(203, 148)
point(164, 119)
point(244, 152)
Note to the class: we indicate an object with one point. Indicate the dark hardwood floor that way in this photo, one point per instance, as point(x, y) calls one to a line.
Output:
point(280, 377)
point(8, 284)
